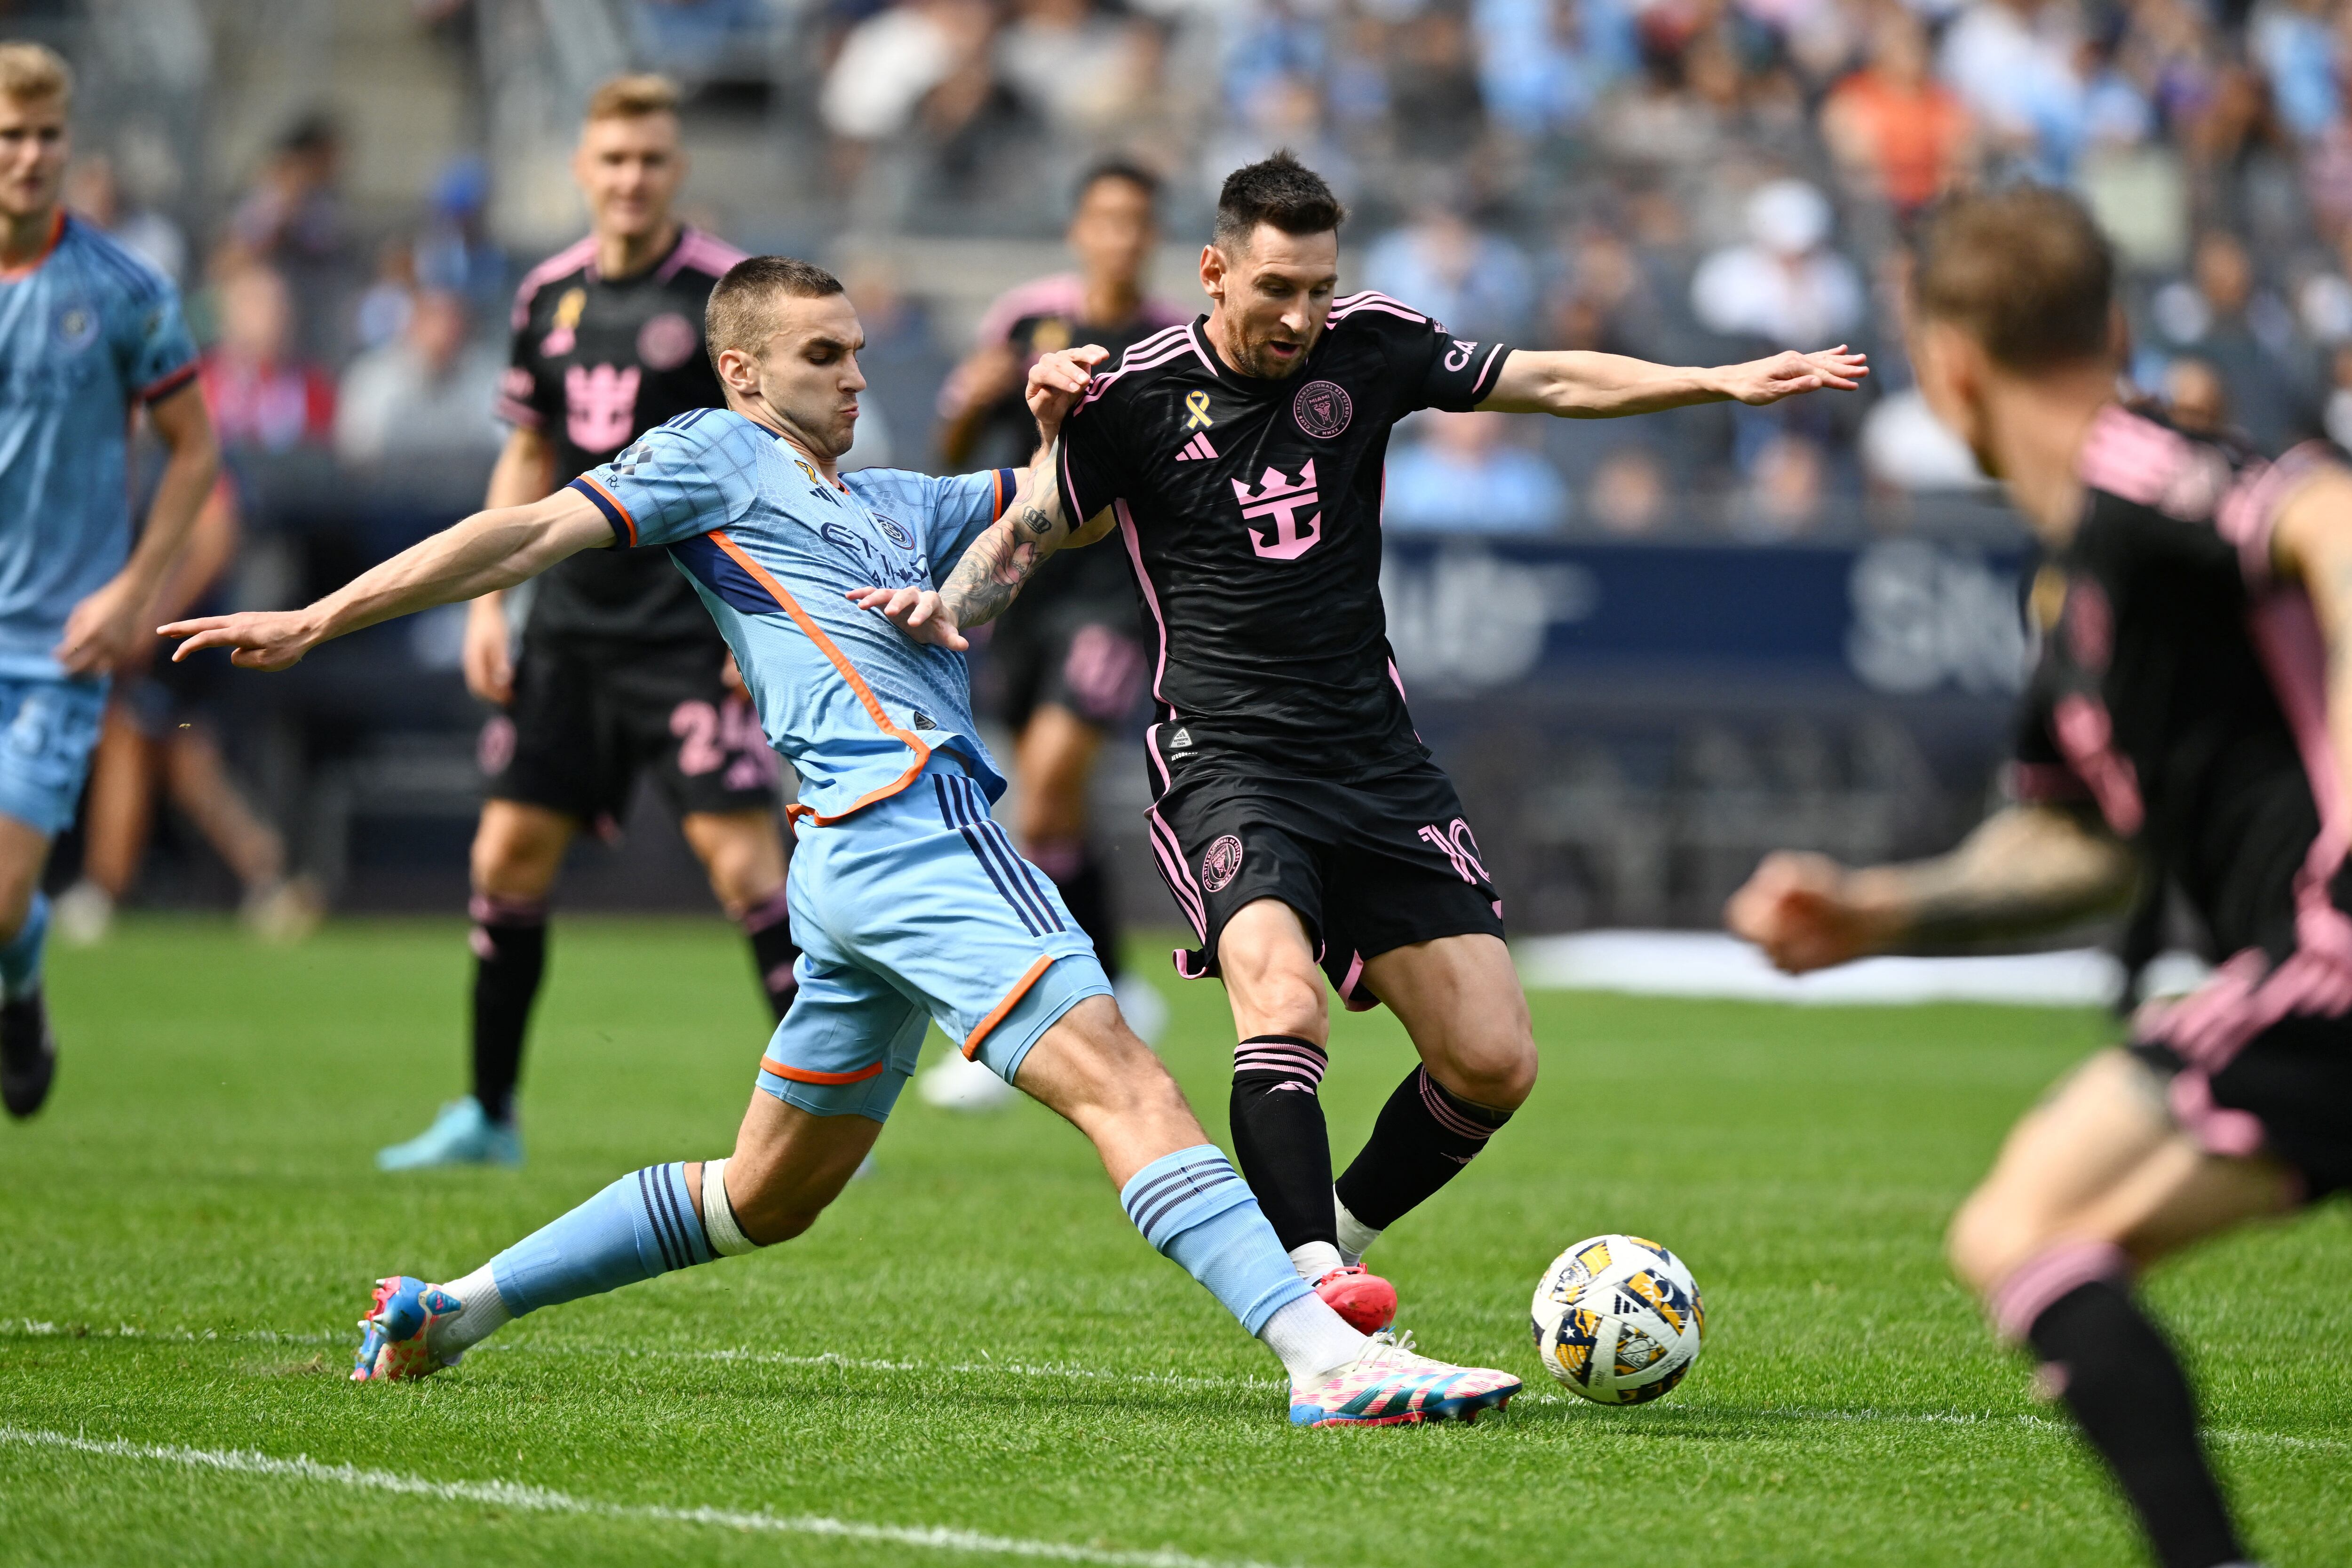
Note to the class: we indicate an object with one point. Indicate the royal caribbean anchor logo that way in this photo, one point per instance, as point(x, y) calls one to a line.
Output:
point(1286, 534)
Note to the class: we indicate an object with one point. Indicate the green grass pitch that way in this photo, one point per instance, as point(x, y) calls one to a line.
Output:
point(973, 1357)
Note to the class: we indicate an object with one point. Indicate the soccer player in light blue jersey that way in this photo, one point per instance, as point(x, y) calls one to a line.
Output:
point(89, 333)
point(910, 904)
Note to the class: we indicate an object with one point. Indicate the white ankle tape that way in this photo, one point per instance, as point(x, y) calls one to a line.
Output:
point(726, 1237)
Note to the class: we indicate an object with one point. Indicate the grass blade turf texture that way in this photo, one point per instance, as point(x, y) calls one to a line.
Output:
point(973, 1359)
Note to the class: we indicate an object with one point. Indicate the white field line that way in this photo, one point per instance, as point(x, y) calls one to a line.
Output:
point(539, 1500)
point(29, 1328)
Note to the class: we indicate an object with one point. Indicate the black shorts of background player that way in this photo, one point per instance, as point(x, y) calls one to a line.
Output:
point(1068, 665)
point(2185, 731)
point(1299, 821)
point(620, 670)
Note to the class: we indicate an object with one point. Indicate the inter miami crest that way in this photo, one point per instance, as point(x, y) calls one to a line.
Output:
point(1323, 409)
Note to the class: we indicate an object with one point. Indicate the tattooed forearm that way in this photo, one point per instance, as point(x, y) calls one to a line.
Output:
point(1000, 561)
point(2027, 869)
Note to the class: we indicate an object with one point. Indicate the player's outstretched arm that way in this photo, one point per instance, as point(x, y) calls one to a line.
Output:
point(2028, 868)
point(489, 551)
point(103, 629)
point(1576, 384)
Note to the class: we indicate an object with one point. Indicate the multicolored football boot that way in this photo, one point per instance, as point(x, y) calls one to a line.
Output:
point(392, 1339)
point(1390, 1385)
point(1365, 1303)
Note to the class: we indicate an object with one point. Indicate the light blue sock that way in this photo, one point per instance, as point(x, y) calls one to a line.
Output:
point(1194, 1207)
point(20, 961)
point(641, 1226)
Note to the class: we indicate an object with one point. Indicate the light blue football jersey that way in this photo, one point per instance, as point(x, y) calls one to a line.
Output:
point(852, 703)
point(87, 332)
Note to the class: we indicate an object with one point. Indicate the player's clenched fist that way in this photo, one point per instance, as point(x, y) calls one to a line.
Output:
point(1801, 911)
point(1057, 380)
point(275, 639)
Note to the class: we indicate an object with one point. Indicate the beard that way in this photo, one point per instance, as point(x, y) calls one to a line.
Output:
point(1252, 357)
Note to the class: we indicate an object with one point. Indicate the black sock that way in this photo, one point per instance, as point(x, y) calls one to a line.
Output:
point(1279, 1139)
point(1423, 1139)
point(769, 925)
point(1078, 877)
point(2127, 1389)
point(509, 942)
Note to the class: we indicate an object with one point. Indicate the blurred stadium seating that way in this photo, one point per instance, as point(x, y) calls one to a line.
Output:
point(1651, 648)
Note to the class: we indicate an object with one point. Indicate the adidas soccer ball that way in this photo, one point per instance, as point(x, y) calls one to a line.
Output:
point(1618, 1319)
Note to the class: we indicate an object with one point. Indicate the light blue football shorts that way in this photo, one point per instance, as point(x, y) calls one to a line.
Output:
point(913, 910)
point(48, 730)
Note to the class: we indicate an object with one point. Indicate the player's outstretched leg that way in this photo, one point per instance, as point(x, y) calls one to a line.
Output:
point(1276, 1112)
point(1459, 998)
point(2090, 1183)
point(1194, 1208)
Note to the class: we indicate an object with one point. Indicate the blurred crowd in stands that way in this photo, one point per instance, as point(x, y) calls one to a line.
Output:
point(1689, 181)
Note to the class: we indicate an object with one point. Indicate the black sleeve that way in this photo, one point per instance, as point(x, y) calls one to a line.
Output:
point(2038, 772)
point(1088, 470)
point(1436, 369)
point(525, 397)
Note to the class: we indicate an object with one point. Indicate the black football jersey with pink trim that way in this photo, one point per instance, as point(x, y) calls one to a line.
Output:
point(597, 363)
point(2179, 687)
point(1250, 512)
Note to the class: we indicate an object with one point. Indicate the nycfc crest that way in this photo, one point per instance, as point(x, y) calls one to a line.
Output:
point(1222, 864)
point(1322, 409)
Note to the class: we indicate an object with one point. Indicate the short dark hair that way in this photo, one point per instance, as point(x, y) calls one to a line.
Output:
point(738, 314)
point(1281, 191)
point(1127, 169)
point(2024, 271)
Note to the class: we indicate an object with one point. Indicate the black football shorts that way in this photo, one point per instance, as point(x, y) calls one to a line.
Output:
point(2286, 1092)
point(1081, 653)
point(584, 724)
point(1367, 866)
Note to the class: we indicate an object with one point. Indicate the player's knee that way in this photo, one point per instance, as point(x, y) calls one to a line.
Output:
point(1988, 1237)
point(1278, 1000)
point(1496, 1069)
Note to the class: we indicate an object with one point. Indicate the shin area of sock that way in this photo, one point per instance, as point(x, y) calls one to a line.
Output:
point(1423, 1137)
point(1279, 1136)
point(641, 1226)
point(1194, 1207)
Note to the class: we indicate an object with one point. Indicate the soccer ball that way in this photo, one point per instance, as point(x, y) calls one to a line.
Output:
point(1618, 1319)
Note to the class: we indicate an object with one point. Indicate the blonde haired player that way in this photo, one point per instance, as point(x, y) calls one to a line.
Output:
point(2188, 727)
point(89, 335)
point(621, 674)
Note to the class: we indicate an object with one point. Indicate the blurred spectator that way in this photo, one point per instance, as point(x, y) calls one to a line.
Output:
point(1466, 476)
point(1476, 282)
point(1544, 64)
point(2245, 334)
point(93, 191)
point(2199, 404)
point(1785, 285)
point(390, 299)
point(1074, 66)
point(454, 251)
point(1786, 485)
point(2013, 64)
point(1901, 135)
point(917, 56)
point(1628, 496)
point(1286, 110)
point(262, 395)
point(2294, 45)
point(428, 393)
point(1435, 103)
point(294, 212)
point(1906, 447)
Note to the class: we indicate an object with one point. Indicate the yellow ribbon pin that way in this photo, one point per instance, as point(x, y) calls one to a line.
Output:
point(1198, 402)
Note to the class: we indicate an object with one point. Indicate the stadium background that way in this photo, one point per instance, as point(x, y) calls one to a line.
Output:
point(1647, 650)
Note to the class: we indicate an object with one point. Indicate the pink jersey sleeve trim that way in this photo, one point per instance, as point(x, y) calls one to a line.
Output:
point(570, 260)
